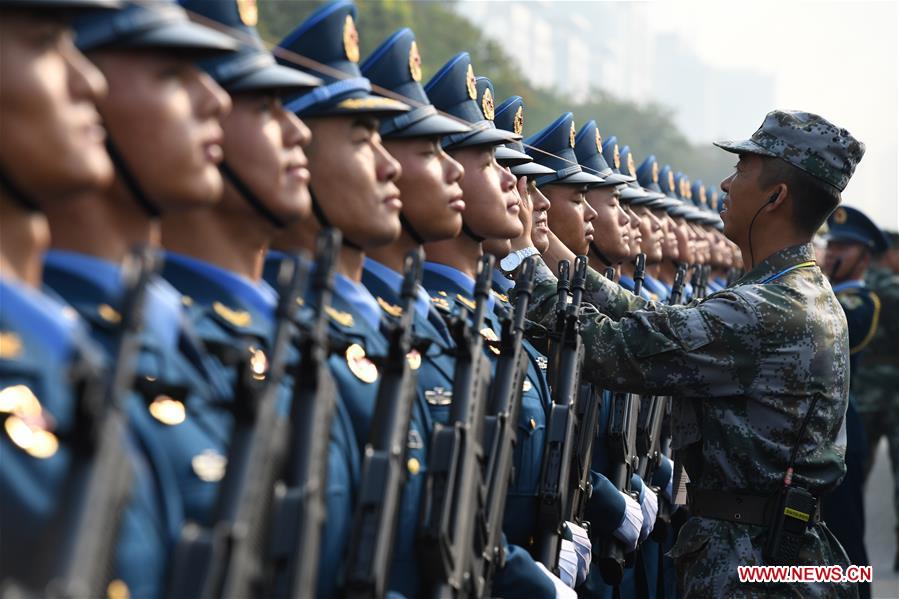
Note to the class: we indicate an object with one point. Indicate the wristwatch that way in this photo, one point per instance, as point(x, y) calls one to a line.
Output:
point(514, 260)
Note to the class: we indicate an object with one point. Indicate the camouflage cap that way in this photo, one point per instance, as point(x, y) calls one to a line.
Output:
point(807, 141)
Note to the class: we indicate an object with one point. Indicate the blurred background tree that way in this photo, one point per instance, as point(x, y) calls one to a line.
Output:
point(648, 128)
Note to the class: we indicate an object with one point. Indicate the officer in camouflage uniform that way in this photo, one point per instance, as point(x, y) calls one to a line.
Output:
point(746, 364)
point(875, 386)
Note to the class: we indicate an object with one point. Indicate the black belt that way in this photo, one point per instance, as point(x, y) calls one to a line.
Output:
point(735, 506)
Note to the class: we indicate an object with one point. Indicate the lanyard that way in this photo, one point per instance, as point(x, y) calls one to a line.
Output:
point(786, 270)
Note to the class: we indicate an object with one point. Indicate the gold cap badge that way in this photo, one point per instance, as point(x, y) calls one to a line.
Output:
point(598, 141)
point(350, 39)
point(671, 181)
point(470, 83)
point(414, 62)
point(840, 216)
point(359, 364)
point(616, 157)
point(518, 121)
point(631, 169)
point(487, 104)
point(655, 172)
point(248, 11)
point(571, 135)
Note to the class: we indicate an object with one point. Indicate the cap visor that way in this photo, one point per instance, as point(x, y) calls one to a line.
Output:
point(182, 35)
point(531, 169)
point(483, 137)
point(617, 178)
point(274, 77)
point(508, 157)
point(746, 146)
point(430, 126)
point(580, 178)
point(362, 104)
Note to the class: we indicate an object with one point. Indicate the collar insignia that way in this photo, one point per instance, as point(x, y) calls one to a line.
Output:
point(237, 318)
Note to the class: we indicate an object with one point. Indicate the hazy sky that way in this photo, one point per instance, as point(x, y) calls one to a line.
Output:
point(835, 58)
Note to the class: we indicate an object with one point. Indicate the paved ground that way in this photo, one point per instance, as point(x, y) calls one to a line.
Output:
point(880, 527)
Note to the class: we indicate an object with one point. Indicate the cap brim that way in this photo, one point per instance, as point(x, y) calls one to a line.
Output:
point(274, 77)
point(431, 126)
point(360, 104)
point(747, 146)
point(181, 35)
point(616, 178)
point(506, 156)
point(483, 137)
point(531, 169)
point(580, 178)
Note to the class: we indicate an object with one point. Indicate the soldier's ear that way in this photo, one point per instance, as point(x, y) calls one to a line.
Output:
point(777, 196)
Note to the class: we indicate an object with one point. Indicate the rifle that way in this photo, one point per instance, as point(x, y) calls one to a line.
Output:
point(622, 440)
point(452, 522)
point(300, 494)
point(503, 409)
point(557, 485)
point(228, 560)
point(677, 288)
point(103, 469)
point(383, 470)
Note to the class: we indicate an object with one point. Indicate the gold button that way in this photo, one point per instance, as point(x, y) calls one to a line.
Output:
point(258, 363)
point(533, 424)
point(117, 589)
point(414, 466)
point(209, 466)
point(167, 410)
point(414, 359)
point(108, 313)
point(30, 436)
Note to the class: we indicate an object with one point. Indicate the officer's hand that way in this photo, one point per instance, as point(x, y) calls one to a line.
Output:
point(649, 503)
point(580, 541)
point(562, 590)
point(629, 530)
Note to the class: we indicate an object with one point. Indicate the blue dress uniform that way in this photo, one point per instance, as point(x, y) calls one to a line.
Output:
point(43, 345)
point(843, 508)
point(329, 37)
point(454, 89)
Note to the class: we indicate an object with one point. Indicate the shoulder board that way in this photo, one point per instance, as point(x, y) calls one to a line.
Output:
point(500, 296)
point(390, 308)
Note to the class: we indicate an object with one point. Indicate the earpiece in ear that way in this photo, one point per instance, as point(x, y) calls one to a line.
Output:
point(773, 197)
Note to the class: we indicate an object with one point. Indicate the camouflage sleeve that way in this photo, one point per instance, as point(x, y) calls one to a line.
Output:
point(705, 349)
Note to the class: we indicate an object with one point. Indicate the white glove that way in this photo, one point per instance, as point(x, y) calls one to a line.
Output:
point(650, 507)
point(562, 590)
point(568, 562)
point(584, 549)
point(629, 531)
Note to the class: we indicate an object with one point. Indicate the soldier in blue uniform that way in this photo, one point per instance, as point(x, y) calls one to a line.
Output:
point(852, 242)
point(491, 212)
point(164, 138)
point(48, 365)
point(353, 185)
point(432, 210)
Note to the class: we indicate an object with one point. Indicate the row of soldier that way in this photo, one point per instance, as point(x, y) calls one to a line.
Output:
point(326, 384)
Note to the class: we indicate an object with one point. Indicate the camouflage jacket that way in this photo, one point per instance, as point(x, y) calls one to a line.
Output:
point(743, 365)
point(876, 384)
